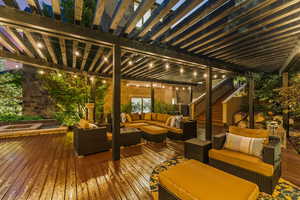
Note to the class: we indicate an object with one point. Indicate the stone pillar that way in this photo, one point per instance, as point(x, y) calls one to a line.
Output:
point(90, 107)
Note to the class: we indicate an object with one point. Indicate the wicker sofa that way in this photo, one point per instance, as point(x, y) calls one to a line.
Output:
point(187, 130)
point(265, 171)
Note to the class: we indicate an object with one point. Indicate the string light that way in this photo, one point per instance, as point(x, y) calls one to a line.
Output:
point(17, 66)
point(163, 87)
point(190, 88)
point(223, 76)
point(41, 72)
point(105, 59)
point(204, 75)
point(75, 76)
point(59, 75)
point(130, 62)
point(183, 88)
point(77, 53)
point(195, 73)
point(40, 45)
point(151, 65)
point(215, 76)
point(103, 81)
point(181, 70)
point(177, 88)
point(167, 66)
point(92, 78)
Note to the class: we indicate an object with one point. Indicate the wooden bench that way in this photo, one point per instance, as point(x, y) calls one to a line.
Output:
point(192, 180)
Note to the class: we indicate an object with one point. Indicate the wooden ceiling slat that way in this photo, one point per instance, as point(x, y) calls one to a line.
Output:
point(266, 36)
point(255, 46)
point(139, 13)
point(135, 59)
point(288, 32)
point(110, 65)
point(180, 12)
point(56, 8)
point(193, 19)
point(87, 50)
point(102, 63)
point(135, 66)
point(293, 53)
point(74, 56)
point(156, 16)
point(146, 68)
point(62, 44)
point(96, 58)
point(7, 43)
point(99, 12)
point(273, 20)
point(50, 49)
point(34, 44)
point(246, 9)
point(78, 11)
point(18, 39)
point(119, 13)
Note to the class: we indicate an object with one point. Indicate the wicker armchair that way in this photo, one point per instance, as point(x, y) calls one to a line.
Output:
point(271, 159)
point(89, 141)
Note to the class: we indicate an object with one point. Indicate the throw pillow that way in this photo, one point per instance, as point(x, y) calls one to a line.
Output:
point(178, 119)
point(173, 122)
point(147, 116)
point(129, 119)
point(168, 121)
point(154, 116)
point(247, 145)
point(83, 123)
point(135, 116)
point(123, 117)
point(92, 125)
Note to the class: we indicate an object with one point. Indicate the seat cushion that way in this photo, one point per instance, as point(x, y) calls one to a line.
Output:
point(246, 132)
point(147, 116)
point(157, 123)
point(242, 160)
point(154, 130)
point(193, 180)
point(154, 116)
point(135, 125)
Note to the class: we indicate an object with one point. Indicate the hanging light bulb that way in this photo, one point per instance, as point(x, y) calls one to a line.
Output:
point(40, 45)
point(195, 73)
point(105, 59)
point(151, 65)
point(41, 72)
point(215, 76)
point(130, 62)
point(205, 75)
point(223, 76)
point(167, 66)
point(181, 70)
point(77, 53)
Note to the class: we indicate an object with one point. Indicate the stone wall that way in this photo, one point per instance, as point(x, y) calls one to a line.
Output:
point(35, 99)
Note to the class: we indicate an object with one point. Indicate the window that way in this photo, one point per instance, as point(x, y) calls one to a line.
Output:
point(141, 105)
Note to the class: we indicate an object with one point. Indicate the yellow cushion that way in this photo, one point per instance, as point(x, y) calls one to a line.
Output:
point(135, 116)
point(154, 116)
point(153, 130)
point(191, 180)
point(160, 117)
point(84, 123)
point(242, 160)
point(128, 117)
point(246, 132)
point(135, 125)
point(147, 116)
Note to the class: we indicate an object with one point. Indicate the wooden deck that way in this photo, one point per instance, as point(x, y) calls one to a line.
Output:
point(45, 167)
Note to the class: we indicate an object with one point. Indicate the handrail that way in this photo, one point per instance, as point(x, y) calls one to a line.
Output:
point(219, 84)
point(234, 93)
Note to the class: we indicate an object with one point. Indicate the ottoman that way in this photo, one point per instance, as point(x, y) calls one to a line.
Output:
point(154, 133)
point(136, 125)
point(195, 180)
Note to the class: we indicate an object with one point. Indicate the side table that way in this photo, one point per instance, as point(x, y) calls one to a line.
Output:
point(197, 149)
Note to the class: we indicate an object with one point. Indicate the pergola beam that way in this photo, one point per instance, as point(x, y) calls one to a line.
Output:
point(50, 49)
point(46, 25)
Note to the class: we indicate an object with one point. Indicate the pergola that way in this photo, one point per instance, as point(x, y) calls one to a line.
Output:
point(199, 35)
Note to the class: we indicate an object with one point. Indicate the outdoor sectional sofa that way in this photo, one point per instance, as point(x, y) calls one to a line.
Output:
point(265, 171)
point(187, 130)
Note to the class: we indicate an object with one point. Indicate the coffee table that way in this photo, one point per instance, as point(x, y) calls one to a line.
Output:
point(130, 136)
point(154, 133)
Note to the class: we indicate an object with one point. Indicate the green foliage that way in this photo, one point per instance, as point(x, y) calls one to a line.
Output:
point(15, 118)
point(126, 108)
point(164, 108)
point(70, 95)
point(10, 93)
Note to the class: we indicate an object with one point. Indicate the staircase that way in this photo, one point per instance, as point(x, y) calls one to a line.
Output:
point(219, 93)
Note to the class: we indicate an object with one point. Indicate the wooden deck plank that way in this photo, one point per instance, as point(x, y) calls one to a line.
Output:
point(45, 167)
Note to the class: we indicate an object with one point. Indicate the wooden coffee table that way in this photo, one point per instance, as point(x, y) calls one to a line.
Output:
point(130, 136)
point(154, 133)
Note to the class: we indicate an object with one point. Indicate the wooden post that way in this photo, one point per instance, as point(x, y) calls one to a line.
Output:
point(191, 94)
point(251, 100)
point(286, 116)
point(152, 98)
point(208, 120)
point(116, 104)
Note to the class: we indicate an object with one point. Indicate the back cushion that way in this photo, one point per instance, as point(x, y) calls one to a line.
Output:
point(154, 116)
point(173, 122)
point(83, 123)
point(147, 116)
point(128, 117)
point(135, 116)
point(247, 132)
point(168, 121)
point(161, 117)
point(247, 145)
